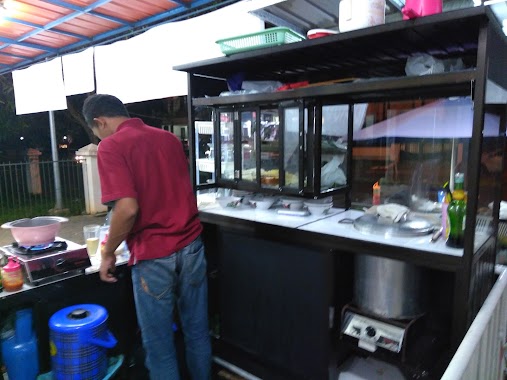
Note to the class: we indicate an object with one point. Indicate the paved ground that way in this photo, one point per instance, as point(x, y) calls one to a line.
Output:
point(71, 230)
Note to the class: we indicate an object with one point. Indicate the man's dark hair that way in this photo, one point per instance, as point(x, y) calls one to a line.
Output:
point(102, 105)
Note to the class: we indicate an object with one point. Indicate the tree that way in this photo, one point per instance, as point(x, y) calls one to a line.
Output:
point(74, 106)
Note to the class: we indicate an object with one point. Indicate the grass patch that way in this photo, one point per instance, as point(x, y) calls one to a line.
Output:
point(37, 206)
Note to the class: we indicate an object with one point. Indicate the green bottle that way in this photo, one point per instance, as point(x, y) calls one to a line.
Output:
point(456, 214)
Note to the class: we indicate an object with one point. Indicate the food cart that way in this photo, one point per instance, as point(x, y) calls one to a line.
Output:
point(289, 290)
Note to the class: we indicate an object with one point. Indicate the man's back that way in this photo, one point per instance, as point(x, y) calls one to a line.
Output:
point(149, 164)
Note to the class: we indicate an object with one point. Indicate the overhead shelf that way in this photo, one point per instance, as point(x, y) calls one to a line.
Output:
point(452, 83)
point(379, 51)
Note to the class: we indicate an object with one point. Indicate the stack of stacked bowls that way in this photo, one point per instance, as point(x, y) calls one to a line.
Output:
point(319, 206)
point(292, 203)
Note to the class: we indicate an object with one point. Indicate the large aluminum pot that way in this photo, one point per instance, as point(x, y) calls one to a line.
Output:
point(36, 231)
point(389, 288)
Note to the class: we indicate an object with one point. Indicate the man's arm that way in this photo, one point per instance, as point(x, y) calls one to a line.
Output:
point(122, 220)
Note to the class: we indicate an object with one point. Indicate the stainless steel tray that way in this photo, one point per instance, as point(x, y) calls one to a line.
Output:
point(410, 226)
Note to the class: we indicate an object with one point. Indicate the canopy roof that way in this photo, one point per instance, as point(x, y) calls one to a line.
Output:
point(34, 30)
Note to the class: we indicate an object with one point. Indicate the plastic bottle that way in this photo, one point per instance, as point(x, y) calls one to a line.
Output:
point(456, 214)
point(376, 194)
point(20, 349)
point(444, 198)
point(12, 277)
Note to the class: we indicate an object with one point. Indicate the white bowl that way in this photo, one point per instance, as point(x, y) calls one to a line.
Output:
point(318, 209)
point(322, 201)
point(292, 203)
point(262, 203)
point(319, 206)
point(229, 202)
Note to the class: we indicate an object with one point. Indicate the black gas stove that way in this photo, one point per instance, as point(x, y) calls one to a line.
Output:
point(49, 263)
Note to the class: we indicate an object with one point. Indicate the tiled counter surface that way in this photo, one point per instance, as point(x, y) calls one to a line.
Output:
point(267, 216)
point(329, 225)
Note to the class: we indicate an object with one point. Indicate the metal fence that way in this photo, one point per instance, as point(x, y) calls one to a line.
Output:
point(28, 189)
point(481, 354)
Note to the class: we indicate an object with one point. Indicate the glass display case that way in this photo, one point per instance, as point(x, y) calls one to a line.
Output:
point(271, 147)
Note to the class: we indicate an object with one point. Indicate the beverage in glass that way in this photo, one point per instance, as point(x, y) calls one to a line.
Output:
point(91, 235)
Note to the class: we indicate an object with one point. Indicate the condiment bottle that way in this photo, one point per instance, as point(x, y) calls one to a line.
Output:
point(456, 214)
point(12, 277)
point(376, 194)
point(444, 198)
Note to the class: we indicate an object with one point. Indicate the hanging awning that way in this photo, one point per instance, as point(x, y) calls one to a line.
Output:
point(33, 31)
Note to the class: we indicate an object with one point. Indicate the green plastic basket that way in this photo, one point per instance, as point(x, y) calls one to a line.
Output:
point(269, 37)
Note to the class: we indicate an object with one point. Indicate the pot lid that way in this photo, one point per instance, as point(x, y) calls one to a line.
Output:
point(375, 225)
point(72, 318)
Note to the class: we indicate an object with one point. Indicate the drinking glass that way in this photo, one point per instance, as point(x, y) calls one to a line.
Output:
point(91, 235)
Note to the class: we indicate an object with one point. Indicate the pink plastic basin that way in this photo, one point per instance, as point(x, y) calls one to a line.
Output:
point(36, 231)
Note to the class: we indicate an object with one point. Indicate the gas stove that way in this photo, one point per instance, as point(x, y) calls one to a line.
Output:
point(53, 262)
point(414, 345)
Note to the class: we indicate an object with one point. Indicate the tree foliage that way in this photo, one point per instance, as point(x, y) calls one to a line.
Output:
point(35, 131)
point(9, 122)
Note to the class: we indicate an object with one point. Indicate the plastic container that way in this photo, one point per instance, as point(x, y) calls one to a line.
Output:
point(12, 276)
point(266, 38)
point(421, 8)
point(40, 230)
point(319, 33)
point(19, 348)
point(358, 14)
point(114, 364)
point(79, 340)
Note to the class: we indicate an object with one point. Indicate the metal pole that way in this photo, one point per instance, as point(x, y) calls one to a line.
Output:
point(56, 170)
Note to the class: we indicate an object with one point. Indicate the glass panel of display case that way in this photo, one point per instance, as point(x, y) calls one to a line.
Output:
point(490, 177)
point(205, 157)
point(291, 151)
point(270, 147)
point(248, 121)
point(335, 121)
point(226, 145)
point(409, 150)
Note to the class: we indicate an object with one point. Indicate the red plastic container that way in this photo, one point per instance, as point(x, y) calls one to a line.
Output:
point(318, 33)
point(12, 277)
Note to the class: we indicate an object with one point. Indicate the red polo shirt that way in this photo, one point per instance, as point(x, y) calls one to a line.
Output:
point(149, 164)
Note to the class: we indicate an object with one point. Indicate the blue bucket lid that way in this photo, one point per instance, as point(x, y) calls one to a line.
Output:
point(72, 318)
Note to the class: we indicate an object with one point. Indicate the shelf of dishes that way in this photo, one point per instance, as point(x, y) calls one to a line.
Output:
point(206, 165)
point(204, 127)
point(240, 199)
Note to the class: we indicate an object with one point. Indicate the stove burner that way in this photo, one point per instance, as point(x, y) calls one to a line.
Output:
point(38, 249)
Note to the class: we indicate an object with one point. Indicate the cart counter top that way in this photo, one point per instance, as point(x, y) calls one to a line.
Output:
point(329, 225)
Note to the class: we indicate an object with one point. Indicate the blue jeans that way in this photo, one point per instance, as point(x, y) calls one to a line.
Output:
point(158, 285)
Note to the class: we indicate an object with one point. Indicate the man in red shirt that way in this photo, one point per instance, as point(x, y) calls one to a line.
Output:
point(144, 176)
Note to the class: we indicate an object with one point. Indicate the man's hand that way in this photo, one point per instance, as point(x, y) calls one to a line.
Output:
point(108, 267)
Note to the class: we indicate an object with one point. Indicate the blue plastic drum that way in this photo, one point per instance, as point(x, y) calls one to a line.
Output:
point(79, 340)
